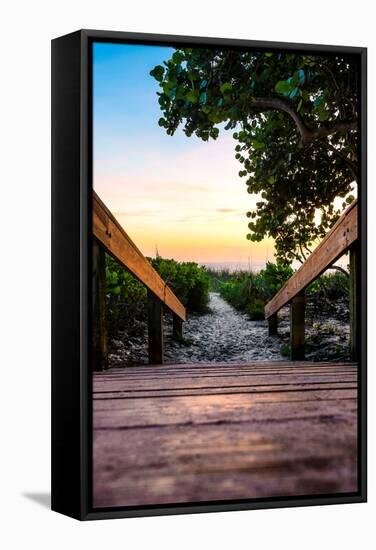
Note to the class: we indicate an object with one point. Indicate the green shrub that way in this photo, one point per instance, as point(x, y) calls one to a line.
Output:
point(255, 309)
point(189, 281)
point(285, 350)
point(331, 285)
point(127, 297)
point(249, 292)
point(217, 278)
point(126, 300)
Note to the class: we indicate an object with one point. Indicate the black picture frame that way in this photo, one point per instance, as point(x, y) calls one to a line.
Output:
point(71, 257)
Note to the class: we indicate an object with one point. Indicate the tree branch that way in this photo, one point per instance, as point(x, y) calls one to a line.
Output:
point(341, 269)
point(306, 134)
point(352, 165)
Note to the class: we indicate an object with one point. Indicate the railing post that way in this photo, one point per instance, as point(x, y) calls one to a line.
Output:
point(155, 330)
point(177, 327)
point(273, 324)
point(99, 321)
point(297, 327)
point(354, 259)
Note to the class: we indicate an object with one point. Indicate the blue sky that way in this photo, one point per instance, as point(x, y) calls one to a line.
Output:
point(125, 100)
point(178, 194)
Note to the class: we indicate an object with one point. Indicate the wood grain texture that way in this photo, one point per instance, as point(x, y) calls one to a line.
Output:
point(117, 243)
point(192, 433)
point(335, 243)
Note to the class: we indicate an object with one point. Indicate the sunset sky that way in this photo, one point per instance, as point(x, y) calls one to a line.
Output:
point(176, 194)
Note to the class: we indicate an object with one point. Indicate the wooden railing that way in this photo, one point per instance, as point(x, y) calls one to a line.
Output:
point(110, 237)
point(343, 237)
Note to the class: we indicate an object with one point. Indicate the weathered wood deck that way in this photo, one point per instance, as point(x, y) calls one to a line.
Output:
point(190, 433)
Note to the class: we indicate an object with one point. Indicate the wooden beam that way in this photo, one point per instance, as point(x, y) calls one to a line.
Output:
point(177, 328)
point(297, 327)
point(336, 242)
point(155, 330)
point(354, 278)
point(117, 243)
point(99, 332)
point(273, 324)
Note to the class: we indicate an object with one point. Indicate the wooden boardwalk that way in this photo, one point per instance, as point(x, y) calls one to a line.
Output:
point(191, 433)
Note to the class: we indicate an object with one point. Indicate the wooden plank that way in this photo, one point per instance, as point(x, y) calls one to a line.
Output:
point(336, 242)
point(176, 368)
point(294, 393)
point(218, 374)
point(294, 439)
point(218, 382)
point(117, 243)
point(162, 374)
point(225, 462)
point(175, 374)
point(196, 410)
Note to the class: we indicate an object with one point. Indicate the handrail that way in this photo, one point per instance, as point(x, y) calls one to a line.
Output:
point(117, 243)
point(335, 243)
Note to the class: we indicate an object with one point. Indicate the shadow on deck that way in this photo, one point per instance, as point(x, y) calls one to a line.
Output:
point(203, 432)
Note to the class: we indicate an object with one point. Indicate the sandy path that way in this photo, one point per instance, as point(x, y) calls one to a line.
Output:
point(223, 334)
point(227, 335)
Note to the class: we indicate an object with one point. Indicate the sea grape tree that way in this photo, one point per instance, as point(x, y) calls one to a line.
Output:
point(294, 118)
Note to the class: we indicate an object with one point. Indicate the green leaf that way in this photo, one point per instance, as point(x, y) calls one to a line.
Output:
point(177, 57)
point(283, 87)
point(271, 179)
point(300, 76)
point(299, 105)
point(202, 98)
point(318, 101)
point(258, 145)
point(157, 73)
point(192, 96)
point(215, 117)
point(226, 88)
point(323, 115)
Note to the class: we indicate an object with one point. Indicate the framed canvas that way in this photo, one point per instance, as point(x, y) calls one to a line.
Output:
point(208, 274)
